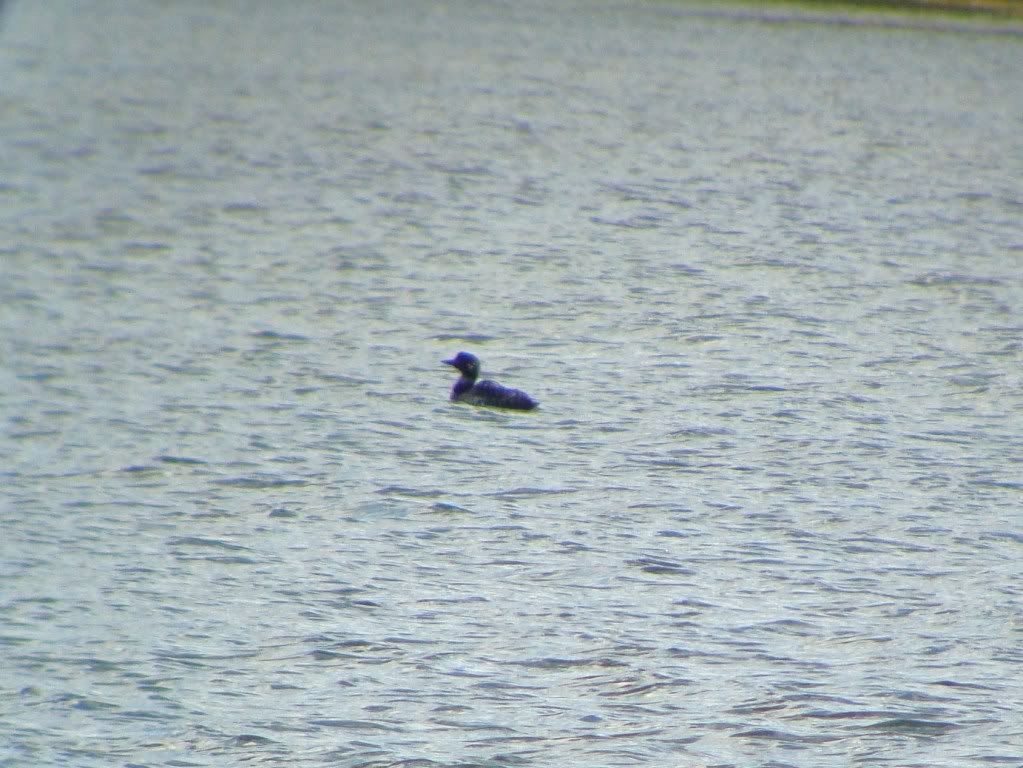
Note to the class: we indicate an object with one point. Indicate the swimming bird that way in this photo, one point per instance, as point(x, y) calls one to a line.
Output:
point(468, 390)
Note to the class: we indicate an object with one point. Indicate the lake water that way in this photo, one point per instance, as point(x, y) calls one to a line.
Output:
point(764, 271)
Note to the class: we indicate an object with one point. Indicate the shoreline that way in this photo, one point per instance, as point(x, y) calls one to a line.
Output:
point(1009, 10)
point(995, 17)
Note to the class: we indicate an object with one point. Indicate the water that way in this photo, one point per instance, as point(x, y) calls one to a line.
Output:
point(764, 275)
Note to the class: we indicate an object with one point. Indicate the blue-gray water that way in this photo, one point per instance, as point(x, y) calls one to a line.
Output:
point(765, 276)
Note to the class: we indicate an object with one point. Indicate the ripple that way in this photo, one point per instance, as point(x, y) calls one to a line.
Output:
point(768, 514)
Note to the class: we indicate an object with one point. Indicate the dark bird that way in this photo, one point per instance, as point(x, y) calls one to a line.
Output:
point(468, 390)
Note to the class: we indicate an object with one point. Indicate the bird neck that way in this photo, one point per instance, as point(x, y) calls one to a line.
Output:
point(463, 385)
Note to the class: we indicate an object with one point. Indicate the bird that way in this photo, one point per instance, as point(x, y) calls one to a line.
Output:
point(468, 390)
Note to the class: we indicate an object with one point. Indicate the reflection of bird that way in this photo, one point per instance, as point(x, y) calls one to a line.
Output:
point(468, 390)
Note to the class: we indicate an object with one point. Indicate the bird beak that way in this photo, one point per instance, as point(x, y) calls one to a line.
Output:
point(448, 362)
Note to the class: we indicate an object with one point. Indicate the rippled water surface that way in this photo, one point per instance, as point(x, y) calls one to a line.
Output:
point(764, 275)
